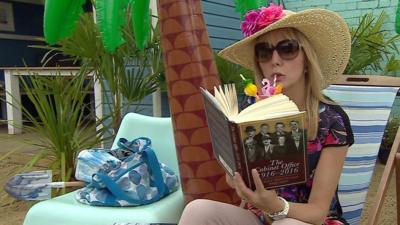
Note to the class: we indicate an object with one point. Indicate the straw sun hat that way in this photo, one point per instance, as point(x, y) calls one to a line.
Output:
point(326, 31)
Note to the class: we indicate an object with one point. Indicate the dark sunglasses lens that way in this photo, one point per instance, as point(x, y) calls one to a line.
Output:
point(288, 49)
point(263, 52)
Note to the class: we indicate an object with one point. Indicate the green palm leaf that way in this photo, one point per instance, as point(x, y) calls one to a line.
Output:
point(60, 18)
point(141, 21)
point(243, 6)
point(110, 18)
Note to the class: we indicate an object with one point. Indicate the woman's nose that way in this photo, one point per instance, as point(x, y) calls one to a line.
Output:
point(276, 59)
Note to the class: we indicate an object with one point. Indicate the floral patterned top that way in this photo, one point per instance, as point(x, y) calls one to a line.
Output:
point(334, 130)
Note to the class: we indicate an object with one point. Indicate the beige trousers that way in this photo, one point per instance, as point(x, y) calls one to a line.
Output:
point(207, 212)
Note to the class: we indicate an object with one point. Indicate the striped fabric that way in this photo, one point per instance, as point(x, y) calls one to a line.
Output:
point(368, 109)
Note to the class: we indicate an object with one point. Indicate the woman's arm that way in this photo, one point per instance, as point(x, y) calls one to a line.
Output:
point(326, 179)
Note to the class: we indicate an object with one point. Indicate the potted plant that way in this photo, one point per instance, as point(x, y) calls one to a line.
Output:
point(373, 48)
point(123, 86)
point(61, 124)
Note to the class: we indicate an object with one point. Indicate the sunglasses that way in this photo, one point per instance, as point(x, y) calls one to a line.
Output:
point(287, 49)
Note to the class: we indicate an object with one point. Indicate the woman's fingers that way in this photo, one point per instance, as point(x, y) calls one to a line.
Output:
point(257, 180)
point(243, 191)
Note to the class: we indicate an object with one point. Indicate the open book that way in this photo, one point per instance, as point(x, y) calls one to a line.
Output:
point(268, 135)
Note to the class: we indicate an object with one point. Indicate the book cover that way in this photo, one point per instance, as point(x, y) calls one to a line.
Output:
point(275, 146)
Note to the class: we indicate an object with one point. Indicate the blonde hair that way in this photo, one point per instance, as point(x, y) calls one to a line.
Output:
point(313, 79)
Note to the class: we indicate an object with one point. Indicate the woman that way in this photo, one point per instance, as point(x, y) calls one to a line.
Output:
point(305, 51)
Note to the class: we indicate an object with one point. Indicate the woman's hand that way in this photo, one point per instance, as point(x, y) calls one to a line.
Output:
point(261, 198)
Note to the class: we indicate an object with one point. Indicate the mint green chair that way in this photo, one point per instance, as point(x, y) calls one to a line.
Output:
point(65, 210)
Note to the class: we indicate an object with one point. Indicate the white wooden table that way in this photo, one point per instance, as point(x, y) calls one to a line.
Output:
point(13, 95)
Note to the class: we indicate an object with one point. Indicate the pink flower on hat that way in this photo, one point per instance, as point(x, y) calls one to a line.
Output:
point(256, 20)
point(269, 15)
point(249, 25)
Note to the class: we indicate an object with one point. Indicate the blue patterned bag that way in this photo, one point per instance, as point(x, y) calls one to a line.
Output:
point(136, 178)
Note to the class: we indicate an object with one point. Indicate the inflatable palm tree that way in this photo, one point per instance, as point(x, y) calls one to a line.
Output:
point(189, 65)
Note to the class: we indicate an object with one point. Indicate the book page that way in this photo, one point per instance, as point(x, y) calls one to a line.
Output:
point(224, 98)
point(231, 98)
point(221, 100)
point(264, 103)
point(207, 95)
point(254, 118)
point(268, 111)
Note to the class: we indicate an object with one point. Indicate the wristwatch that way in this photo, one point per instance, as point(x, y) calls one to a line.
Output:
point(280, 214)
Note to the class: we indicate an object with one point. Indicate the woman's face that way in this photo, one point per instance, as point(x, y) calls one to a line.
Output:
point(288, 72)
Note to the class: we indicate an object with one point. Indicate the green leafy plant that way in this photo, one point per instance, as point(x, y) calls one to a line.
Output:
point(230, 73)
point(390, 133)
point(373, 48)
point(61, 123)
point(388, 139)
point(125, 85)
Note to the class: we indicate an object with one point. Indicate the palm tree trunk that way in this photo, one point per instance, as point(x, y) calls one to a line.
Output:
point(189, 65)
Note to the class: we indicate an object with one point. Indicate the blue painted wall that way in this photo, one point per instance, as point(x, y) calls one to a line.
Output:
point(223, 23)
point(27, 21)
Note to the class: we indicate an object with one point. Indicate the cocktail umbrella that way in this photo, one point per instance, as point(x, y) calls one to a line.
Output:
point(35, 185)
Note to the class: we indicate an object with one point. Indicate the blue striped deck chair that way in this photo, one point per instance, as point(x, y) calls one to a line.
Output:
point(368, 101)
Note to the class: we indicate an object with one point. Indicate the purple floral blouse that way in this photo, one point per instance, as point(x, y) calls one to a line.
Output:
point(334, 130)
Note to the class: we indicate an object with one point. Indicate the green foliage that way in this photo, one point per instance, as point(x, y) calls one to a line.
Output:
point(85, 46)
point(110, 21)
point(60, 17)
point(390, 132)
point(230, 73)
point(141, 21)
point(243, 6)
point(61, 124)
point(373, 48)
point(397, 24)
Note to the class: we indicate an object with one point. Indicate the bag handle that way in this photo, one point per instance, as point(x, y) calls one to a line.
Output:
point(125, 144)
point(154, 167)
